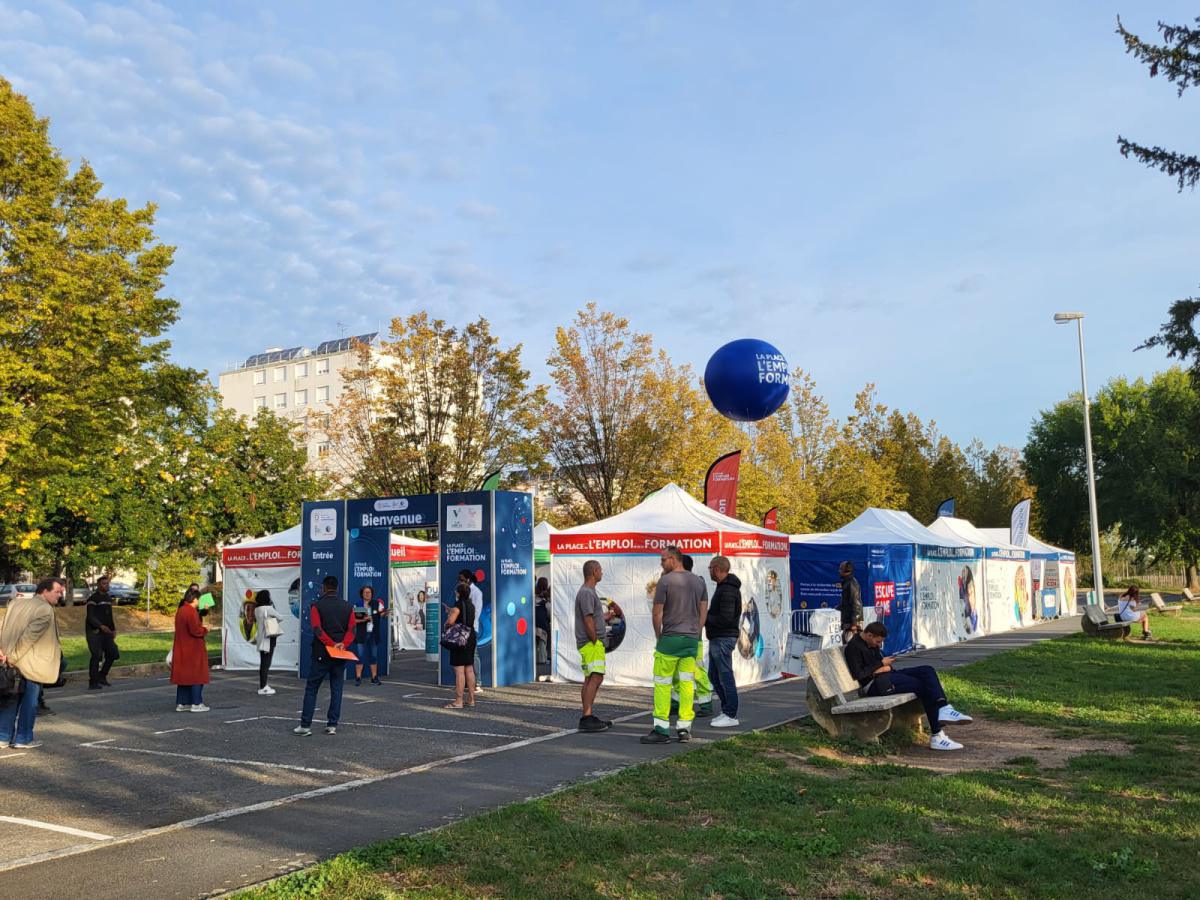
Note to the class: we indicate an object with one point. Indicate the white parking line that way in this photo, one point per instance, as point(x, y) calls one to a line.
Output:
point(170, 731)
point(11, 755)
point(49, 826)
point(97, 743)
point(221, 759)
point(395, 727)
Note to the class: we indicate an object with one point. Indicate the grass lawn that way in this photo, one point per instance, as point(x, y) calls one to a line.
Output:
point(764, 816)
point(135, 647)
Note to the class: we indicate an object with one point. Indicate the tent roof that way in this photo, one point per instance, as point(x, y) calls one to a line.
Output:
point(963, 531)
point(882, 526)
point(671, 510)
point(541, 535)
point(1035, 546)
point(287, 538)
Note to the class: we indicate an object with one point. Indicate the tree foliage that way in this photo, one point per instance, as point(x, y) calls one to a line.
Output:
point(104, 442)
point(435, 409)
point(1177, 59)
point(1147, 468)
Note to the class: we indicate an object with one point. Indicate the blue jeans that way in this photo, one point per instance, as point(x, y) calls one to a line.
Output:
point(335, 671)
point(922, 681)
point(365, 651)
point(22, 713)
point(720, 673)
point(189, 694)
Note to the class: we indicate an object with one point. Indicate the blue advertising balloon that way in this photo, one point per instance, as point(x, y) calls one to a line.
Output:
point(747, 380)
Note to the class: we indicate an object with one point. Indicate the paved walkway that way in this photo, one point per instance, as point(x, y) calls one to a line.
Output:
point(138, 819)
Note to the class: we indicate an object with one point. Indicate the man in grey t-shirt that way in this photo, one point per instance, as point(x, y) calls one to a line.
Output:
point(591, 628)
point(680, 606)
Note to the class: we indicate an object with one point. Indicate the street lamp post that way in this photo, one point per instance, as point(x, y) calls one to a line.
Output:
point(1064, 318)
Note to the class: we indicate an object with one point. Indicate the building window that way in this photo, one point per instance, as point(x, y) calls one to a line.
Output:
point(260, 376)
point(301, 398)
point(322, 366)
point(301, 370)
point(260, 402)
point(281, 373)
point(322, 449)
point(323, 394)
point(281, 401)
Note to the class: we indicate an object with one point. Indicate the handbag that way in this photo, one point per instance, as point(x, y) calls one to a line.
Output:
point(273, 628)
point(456, 637)
point(10, 683)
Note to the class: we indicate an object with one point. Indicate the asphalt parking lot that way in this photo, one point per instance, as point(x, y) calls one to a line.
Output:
point(122, 760)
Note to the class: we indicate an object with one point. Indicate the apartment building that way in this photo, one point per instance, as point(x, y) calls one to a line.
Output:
point(297, 382)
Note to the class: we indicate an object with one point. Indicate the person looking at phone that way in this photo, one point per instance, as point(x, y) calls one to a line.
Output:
point(878, 676)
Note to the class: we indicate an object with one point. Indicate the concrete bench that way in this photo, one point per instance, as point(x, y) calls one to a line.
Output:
point(1157, 605)
point(1095, 624)
point(835, 705)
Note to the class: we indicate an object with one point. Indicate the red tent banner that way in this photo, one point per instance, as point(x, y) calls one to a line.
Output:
point(771, 519)
point(721, 484)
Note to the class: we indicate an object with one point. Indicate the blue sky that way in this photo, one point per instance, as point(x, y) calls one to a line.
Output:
point(894, 193)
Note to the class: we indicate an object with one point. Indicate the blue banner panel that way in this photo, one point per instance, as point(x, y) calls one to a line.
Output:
point(367, 564)
point(417, 511)
point(322, 552)
point(514, 643)
point(889, 586)
point(466, 543)
point(815, 580)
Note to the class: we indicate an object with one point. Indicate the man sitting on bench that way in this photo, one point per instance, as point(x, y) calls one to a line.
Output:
point(878, 677)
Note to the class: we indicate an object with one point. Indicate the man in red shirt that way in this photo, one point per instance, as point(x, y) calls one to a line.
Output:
point(333, 627)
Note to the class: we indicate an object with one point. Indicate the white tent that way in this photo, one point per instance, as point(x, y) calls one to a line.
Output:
point(628, 547)
point(1003, 600)
point(541, 549)
point(269, 563)
point(1053, 573)
point(911, 578)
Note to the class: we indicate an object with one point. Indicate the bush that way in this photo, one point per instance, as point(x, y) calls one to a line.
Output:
point(172, 574)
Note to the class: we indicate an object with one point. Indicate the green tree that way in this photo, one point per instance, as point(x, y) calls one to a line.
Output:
point(1151, 468)
point(436, 409)
point(82, 361)
point(1177, 59)
point(1057, 468)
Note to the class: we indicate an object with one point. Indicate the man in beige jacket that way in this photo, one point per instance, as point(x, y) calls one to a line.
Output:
point(29, 640)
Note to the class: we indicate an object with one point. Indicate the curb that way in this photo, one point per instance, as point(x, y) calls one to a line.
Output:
point(141, 670)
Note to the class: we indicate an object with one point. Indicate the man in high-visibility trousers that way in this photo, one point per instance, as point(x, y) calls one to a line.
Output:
point(702, 703)
point(680, 607)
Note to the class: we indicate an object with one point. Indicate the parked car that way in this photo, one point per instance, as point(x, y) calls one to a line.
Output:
point(123, 594)
point(13, 591)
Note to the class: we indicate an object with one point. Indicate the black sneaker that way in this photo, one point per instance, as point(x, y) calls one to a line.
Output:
point(105, 682)
point(376, 681)
point(656, 737)
point(683, 735)
point(593, 724)
point(95, 686)
point(46, 711)
point(704, 712)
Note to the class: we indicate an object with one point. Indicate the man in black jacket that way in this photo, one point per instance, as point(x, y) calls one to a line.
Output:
point(721, 626)
point(852, 610)
point(101, 633)
point(878, 676)
point(333, 628)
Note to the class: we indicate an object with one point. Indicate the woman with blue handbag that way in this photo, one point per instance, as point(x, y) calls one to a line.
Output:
point(459, 639)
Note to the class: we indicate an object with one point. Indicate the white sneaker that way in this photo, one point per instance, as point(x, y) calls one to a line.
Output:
point(940, 742)
point(198, 707)
point(949, 714)
point(724, 721)
point(266, 691)
point(183, 707)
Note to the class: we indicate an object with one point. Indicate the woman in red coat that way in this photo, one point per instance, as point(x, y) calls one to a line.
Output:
point(189, 657)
